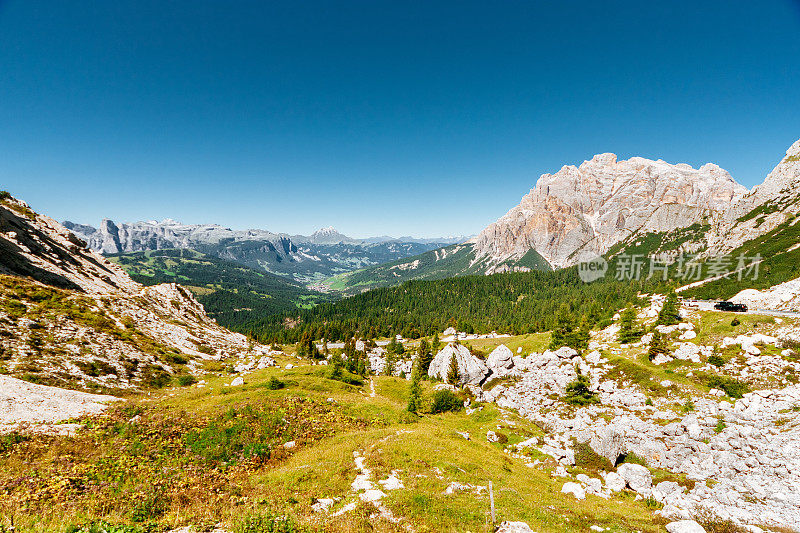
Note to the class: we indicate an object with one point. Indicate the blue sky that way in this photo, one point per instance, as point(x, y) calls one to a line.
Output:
point(404, 117)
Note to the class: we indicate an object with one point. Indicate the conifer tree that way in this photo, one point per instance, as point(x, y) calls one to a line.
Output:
point(669, 313)
point(629, 330)
point(435, 344)
point(424, 356)
point(452, 372)
point(415, 392)
point(658, 345)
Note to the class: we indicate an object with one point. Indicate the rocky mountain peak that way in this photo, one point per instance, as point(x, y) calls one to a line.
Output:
point(580, 212)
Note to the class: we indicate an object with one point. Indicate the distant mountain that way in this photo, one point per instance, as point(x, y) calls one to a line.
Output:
point(70, 317)
point(605, 206)
point(307, 259)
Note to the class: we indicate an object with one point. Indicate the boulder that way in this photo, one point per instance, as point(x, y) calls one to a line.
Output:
point(471, 370)
point(575, 489)
point(685, 526)
point(500, 359)
point(614, 482)
point(637, 477)
point(514, 527)
point(607, 442)
point(237, 381)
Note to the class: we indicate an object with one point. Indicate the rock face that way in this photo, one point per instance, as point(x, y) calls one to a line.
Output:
point(471, 370)
point(781, 297)
point(580, 212)
point(85, 322)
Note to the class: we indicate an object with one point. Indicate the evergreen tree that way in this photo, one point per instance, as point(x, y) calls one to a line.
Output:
point(568, 332)
point(388, 370)
point(579, 392)
point(669, 313)
point(452, 372)
point(435, 344)
point(336, 366)
point(629, 330)
point(424, 356)
point(658, 345)
point(415, 392)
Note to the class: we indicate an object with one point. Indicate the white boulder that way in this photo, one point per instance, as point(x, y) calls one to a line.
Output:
point(471, 370)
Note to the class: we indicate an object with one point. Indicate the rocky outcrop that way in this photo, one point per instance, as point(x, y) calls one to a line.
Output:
point(781, 297)
point(471, 370)
point(70, 317)
point(580, 212)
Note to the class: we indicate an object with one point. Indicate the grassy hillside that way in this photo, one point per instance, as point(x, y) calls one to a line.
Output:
point(450, 261)
point(219, 455)
point(231, 293)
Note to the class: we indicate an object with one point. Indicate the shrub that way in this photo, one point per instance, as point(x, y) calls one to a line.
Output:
point(275, 384)
point(502, 438)
point(579, 393)
point(446, 400)
point(186, 379)
point(156, 377)
point(732, 387)
point(632, 458)
point(587, 458)
point(716, 360)
point(5, 195)
point(266, 522)
point(735, 322)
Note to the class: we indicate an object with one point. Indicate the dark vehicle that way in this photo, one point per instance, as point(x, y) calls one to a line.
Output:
point(730, 306)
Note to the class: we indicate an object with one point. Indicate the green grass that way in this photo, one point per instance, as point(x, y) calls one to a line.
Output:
point(214, 454)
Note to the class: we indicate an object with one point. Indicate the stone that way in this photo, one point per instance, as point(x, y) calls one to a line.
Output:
point(514, 527)
point(637, 477)
point(614, 482)
point(491, 436)
point(471, 370)
point(238, 381)
point(574, 489)
point(685, 526)
point(500, 359)
point(607, 442)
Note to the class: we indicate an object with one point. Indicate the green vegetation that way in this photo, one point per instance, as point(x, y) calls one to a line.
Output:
point(231, 293)
point(445, 401)
point(732, 387)
point(579, 392)
point(658, 345)
point(629, 330)
point(508, 303)
point(568, 332)
point(669, 311)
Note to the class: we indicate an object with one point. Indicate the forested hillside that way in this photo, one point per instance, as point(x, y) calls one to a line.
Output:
point(231, 293)
point(518, 302)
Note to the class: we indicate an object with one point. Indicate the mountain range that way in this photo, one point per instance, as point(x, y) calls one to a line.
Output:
point(600, 208)
point(307, 259)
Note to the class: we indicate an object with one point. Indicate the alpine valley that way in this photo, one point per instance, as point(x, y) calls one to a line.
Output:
point(470, 384)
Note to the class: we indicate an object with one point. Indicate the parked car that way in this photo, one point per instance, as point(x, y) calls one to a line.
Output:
point(730, 306)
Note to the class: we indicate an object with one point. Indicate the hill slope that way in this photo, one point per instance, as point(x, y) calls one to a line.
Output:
point(231, 293)
point(69, 317)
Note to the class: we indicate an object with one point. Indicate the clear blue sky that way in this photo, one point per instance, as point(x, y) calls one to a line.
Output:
point(405, 117)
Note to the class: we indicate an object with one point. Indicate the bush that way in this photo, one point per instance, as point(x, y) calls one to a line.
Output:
point(446, 400)
point(186, 380)
point(275, 384)
point(586, 457)
point(266, 522)
point(735, 322)
point(732, 387)
point(716, 360)
point(5, 195)
point(155, 377)
point(579, 393)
